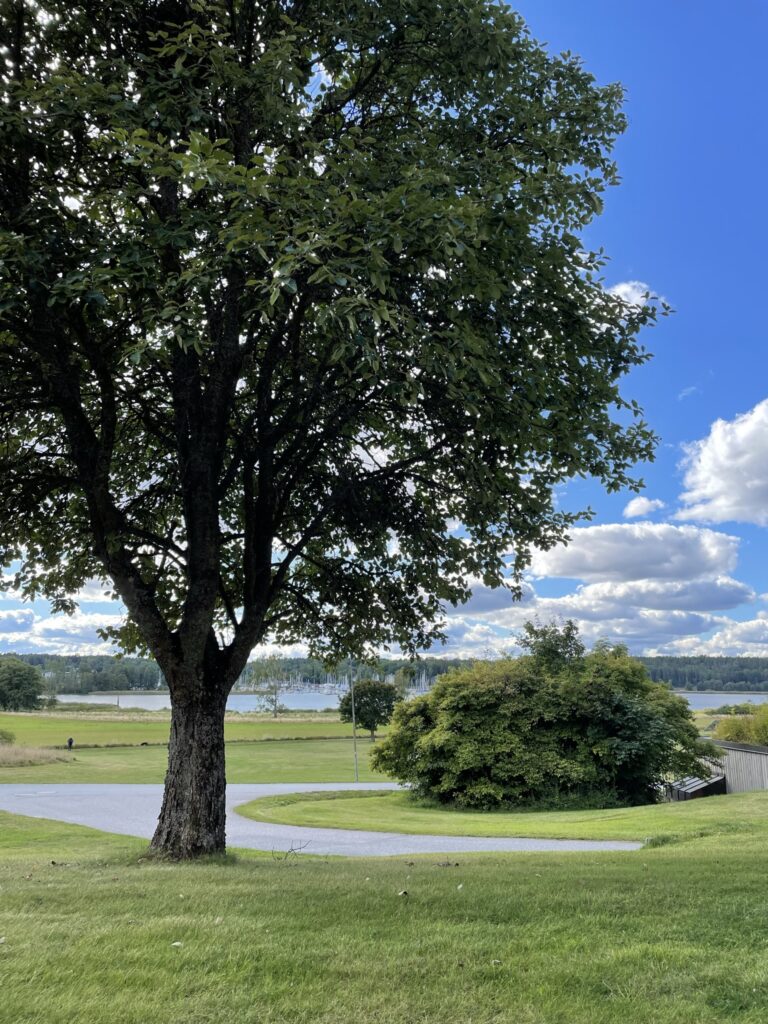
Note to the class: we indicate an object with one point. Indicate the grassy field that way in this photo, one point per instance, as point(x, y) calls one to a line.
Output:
point(93, 932)
point(132, 728)
point(744, 813)
point(261, 761)
point(705, 722)
point(124, 729)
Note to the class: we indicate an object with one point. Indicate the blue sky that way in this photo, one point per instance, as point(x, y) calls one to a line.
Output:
point(690, 221)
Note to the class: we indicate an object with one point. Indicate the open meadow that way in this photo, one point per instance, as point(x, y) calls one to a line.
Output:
point(257, 761)
point(126, 728)
point(132, 748)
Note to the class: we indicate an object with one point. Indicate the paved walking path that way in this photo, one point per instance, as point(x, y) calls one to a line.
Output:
point(132, 810)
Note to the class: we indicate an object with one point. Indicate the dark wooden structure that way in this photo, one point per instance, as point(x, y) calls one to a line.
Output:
point(692, 787)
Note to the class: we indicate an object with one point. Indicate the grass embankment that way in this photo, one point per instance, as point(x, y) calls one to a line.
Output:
point(53, 729)
point(278, 761)
point(744, 813)
point(706, 722)
point(673, 935)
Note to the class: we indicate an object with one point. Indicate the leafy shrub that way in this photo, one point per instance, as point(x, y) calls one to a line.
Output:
point(517, 732)
point(747, 708)
point(735, 730)
point(746, 728)
point(6, 737)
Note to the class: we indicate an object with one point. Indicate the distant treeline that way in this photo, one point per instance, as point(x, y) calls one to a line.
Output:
point(706, 673)
point(80, 673)
point(75, 673)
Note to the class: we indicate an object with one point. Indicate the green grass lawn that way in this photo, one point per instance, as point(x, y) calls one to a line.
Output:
point(131, 728)
point(673, 935)
point(94, 729)
point(279, 761)
point(743, 813)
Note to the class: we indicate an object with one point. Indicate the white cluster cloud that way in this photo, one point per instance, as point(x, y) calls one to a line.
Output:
point(94, 592)
point(475, 636)
point(716, 594)
point(640, 506)
point(631, 291)
point(726, 473)
point(16, 620)
point(635, 551)
point(23, 630)
point(732, 639)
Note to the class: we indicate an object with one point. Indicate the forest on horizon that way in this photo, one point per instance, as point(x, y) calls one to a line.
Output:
point(75, 673)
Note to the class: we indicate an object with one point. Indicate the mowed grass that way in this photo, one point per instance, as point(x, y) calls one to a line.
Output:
point(260, 761)
point(672, 935)
point(743, 813)
point(53, 729)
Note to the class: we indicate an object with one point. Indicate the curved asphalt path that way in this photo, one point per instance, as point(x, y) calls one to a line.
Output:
point(132, 810)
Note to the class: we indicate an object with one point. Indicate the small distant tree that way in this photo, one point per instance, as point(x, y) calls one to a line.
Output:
point(374, 704)
point(269, 697)
point(403, 680)
point(20, 685)
point(266, 675)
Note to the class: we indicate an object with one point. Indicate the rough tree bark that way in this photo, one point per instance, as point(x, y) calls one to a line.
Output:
point(192, 819)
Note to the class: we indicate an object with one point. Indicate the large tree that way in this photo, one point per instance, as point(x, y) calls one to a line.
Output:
point(288, 290)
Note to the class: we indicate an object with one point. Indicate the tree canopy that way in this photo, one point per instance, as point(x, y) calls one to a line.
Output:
point(374, 703)
point(20, 685)
point(289, 290)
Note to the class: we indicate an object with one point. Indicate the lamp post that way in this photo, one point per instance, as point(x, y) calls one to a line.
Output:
point(354, 723)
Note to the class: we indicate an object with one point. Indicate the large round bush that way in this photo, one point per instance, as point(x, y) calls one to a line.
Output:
point(592, 730)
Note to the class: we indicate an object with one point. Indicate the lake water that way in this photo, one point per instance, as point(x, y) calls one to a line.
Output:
point(699, 701)
point(311, 700)
point(299, 701)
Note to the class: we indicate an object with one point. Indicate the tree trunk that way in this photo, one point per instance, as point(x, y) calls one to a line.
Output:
point(192, 819)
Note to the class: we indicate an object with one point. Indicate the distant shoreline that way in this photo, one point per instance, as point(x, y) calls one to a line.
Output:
point(727, 693)
point(252, 693)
